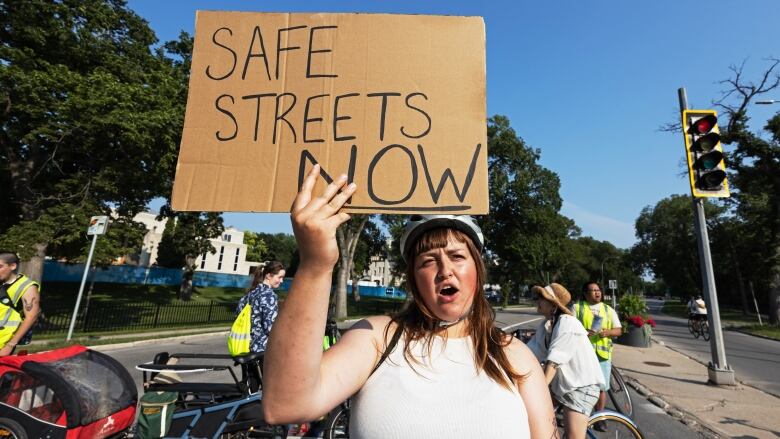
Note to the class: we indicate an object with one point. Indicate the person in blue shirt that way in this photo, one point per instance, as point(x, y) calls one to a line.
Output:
point(265, 304)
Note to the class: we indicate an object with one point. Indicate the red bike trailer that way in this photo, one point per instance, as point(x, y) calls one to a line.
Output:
point(66, 393)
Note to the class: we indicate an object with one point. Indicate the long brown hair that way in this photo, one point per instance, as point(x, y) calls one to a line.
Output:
point(418, 322)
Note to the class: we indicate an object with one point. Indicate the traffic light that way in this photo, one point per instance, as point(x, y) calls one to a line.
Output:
point(703, 151)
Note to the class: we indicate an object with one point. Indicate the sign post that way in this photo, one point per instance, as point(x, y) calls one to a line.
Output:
point(613, 287)
point(97, 226)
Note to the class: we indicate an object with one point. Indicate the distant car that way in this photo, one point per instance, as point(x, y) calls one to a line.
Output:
point(493, 296)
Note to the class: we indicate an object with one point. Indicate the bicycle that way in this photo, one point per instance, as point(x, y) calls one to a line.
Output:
point(213, 410)
point(699, 327)
point(618, 391)
point(616, 425)
point(619, 394)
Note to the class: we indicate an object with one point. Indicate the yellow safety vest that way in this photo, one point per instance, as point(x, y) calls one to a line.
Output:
point(602, 345)
point(10, 318)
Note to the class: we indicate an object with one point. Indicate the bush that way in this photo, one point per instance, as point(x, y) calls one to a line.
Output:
point(632, 309)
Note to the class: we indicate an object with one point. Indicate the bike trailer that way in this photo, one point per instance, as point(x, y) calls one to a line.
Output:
point(66, 393)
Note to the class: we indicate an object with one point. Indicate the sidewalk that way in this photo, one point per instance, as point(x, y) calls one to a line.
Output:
point(678, 384)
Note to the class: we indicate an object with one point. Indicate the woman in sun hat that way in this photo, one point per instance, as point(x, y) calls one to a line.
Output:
point(570, 366)
point(438, 369)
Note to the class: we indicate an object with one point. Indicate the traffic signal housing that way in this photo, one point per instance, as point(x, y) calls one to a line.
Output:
point(703, 151)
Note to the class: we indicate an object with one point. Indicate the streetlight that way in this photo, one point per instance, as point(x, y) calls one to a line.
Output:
point(768, 102)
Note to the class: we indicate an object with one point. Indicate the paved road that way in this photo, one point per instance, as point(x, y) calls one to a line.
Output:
point(651, 420)
point(755, 360)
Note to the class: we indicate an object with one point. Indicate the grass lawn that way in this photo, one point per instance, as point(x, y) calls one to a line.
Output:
point(730, 317)
point(63, 294)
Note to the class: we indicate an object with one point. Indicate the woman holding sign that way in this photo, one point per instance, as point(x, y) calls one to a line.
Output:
point(438, 369)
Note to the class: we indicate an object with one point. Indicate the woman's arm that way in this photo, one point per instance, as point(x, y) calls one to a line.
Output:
point(534, 391)
point(299, 383)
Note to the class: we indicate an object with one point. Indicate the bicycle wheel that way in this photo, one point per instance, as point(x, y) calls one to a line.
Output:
point(704, 326)
point(616, 425)
point(692, 326)
point(618, 393)
point(11, 429)
point(337, 424)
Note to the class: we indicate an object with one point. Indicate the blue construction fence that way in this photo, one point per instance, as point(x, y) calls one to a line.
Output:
point(54, 271)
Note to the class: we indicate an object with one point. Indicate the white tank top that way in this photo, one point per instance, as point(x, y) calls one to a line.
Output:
point(446, 398)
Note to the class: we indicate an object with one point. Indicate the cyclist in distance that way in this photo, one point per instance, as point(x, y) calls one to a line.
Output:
point(570, 367)
point(697, 309)
point(437, 369)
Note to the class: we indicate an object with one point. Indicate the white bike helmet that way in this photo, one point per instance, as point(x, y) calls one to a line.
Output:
point(419, 224)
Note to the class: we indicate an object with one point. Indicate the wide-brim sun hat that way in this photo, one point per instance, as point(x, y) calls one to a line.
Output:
point(419, 224)
point(555, 293)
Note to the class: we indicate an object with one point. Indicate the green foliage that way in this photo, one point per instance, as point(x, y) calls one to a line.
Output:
point(667, 242)
point(280, 247)
point(526, 236)
point(631, 305)
point(91, 120)
point(371, 243)
point(187, 235)
point(256, 248)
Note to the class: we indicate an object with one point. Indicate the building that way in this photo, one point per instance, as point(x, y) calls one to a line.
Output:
point(155, 228)
point(380, 271)
point(230, 256)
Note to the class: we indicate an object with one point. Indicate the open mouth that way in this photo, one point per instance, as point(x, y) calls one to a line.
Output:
point(448, 291)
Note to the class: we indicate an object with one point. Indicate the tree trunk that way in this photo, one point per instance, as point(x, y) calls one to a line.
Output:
point(347, 238)
point(355, 287)
point(774, 299)
point(185, 290)
point(341, 288)
point(33, 268)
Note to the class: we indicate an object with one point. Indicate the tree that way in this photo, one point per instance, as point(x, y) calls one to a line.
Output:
point(371, 243)
point(755, 181)
point(280, 247)
point(526, 236)
point(187, 236)
point(667, 242)
point(347, 236)
point(91, 120)
point(256, 248)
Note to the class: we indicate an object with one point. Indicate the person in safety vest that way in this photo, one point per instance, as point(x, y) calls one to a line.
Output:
point(602, 323)
point(19, 295)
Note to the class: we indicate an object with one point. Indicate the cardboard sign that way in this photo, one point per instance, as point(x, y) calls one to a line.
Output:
point(395, 102)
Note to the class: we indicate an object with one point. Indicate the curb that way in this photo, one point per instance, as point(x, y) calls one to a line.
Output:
point(742, 383)
point(112, 346)
point(686, 418)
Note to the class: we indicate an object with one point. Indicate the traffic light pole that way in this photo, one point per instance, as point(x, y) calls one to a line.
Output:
point(718, 370)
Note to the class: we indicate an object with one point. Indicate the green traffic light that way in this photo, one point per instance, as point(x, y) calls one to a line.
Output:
point(709, 160)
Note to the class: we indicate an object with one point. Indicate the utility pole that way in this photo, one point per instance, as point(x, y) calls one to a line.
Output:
point(718, 370)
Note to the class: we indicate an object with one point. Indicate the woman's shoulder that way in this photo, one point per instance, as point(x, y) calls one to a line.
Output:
point(520, 356)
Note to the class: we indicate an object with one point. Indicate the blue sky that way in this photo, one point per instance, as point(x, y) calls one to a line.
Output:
point(587, 82)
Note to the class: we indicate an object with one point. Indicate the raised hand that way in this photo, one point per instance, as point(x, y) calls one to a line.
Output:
point(315, 220)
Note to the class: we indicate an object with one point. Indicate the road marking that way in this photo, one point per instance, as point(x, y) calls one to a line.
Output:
point(509, 327)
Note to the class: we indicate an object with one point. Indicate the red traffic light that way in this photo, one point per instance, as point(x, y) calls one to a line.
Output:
point(704, 125)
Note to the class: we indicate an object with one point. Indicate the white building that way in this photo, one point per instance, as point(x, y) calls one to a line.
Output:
point(148, 254)
point(230, 256)
point(379, 271)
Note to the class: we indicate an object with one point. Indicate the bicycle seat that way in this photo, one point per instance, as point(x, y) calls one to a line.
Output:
point(248, 357)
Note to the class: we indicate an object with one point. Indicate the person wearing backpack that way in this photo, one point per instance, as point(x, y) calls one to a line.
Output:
point(264, 303)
